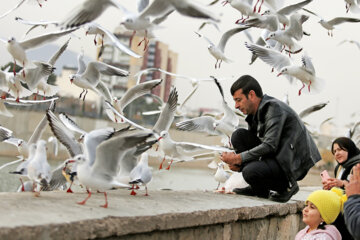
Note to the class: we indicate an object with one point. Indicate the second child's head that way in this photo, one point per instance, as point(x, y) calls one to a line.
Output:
point(322, 207)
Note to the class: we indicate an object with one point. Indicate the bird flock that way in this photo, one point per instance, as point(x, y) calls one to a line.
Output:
point(110, 158)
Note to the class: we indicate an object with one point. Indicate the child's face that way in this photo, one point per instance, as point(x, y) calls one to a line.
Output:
point(311, 215)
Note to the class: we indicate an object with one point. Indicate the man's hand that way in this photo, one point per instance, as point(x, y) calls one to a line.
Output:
point(231, 158)
point(354, 185)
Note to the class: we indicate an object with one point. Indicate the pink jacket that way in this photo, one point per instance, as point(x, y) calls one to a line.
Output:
point(330, 233)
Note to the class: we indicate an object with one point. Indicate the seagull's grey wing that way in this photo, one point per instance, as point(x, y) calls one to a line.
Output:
point(157, 8)
point(55, 57)
point(94, 68)
point(339, 20)
point(22, 102)
point(193, 147)
point(13, 141)
point(315, 14)
point(226, 36)
point(312, 109)
point(167, 114)
point(71, 124)
point(92, 141)
point(86, 12)
point(142, 4)
point(110, 106)
point(34, 23)
point(14, 8)
point(189, 96)
point(199, 124)
point(111, 152)
point(190, 9)
point(35, 75)
point(5, 134)
point(294, 7)
point(307, 63)
point(269, 22)
point(57, 179)
point(295, 29)
point(206, 39)
point(354, 128)
point(37, 41)
point(260, 42)
point(137, 91)
point(40, 128)
point(273, 58)
point(210, 22)
point(63, 134)
point(117, 43)
point(103, 90)
point(139, 74)
point(162, 18)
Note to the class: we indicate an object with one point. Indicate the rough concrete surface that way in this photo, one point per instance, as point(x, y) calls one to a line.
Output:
point(162, 215)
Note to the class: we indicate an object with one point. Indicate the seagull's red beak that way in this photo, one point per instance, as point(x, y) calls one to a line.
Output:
point(279, 74)
point(86, 33)
point(160, 138)
point(71, 80)
point(225, 2)
point(267, 39)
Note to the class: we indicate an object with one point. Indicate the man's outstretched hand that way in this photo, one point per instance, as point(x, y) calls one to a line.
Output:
point(232, 159)
point(353, 187)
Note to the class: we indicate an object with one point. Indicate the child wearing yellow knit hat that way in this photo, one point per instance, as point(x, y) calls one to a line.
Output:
point(321, 209)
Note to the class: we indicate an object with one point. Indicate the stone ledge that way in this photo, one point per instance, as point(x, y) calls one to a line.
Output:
point(54, 215)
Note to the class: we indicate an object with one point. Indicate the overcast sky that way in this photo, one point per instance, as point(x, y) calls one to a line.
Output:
point(337, 65)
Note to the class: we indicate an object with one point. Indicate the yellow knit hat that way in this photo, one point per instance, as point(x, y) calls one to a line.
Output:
point(329, 203)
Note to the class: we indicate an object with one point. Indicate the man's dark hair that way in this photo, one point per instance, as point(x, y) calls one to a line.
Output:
point(247, 83)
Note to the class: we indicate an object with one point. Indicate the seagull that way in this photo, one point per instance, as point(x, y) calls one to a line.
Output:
point(244, 7)
point(218, 51)
point(141, 22)
point(283, 64)
point(330, 25)
point(18, 49)
point(287, 37)
point(18, 5)
point(96, 29)
point(99, 171)
point(183, 151)
point(10, 84)
point(22, 145)
point(39, 168)
point(88, 77)
point(130, 95)
point(36, 78)
point(141, 173)
point(225, 126)
point(221, 175)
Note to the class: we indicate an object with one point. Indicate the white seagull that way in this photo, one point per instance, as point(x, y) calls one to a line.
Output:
point(88, 77)
point(141, 174)
point(218, 52)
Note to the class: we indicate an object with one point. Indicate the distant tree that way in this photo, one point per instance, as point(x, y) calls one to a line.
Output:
point(11, 64)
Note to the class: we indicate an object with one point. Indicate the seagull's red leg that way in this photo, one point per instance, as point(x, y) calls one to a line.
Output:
point(237, 21)
point(245, 19)
point(216, 63)
point(69, 189)
point(95, 42)
point(146, 194)
point(260, 6)
point(220, 63)
point(106, 202)
point(161, 164)
point(255, 5)
point(102, 40)
point(168, 167)
point(22, 185)
point(303, 85)
point(84, 201)
point(309, 86)
point(39, 3)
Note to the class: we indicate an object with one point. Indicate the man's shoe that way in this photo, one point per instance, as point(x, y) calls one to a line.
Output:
point(247, 191)
point(286, 195)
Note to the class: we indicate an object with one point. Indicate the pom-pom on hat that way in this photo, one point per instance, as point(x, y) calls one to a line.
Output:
point(329, 203)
